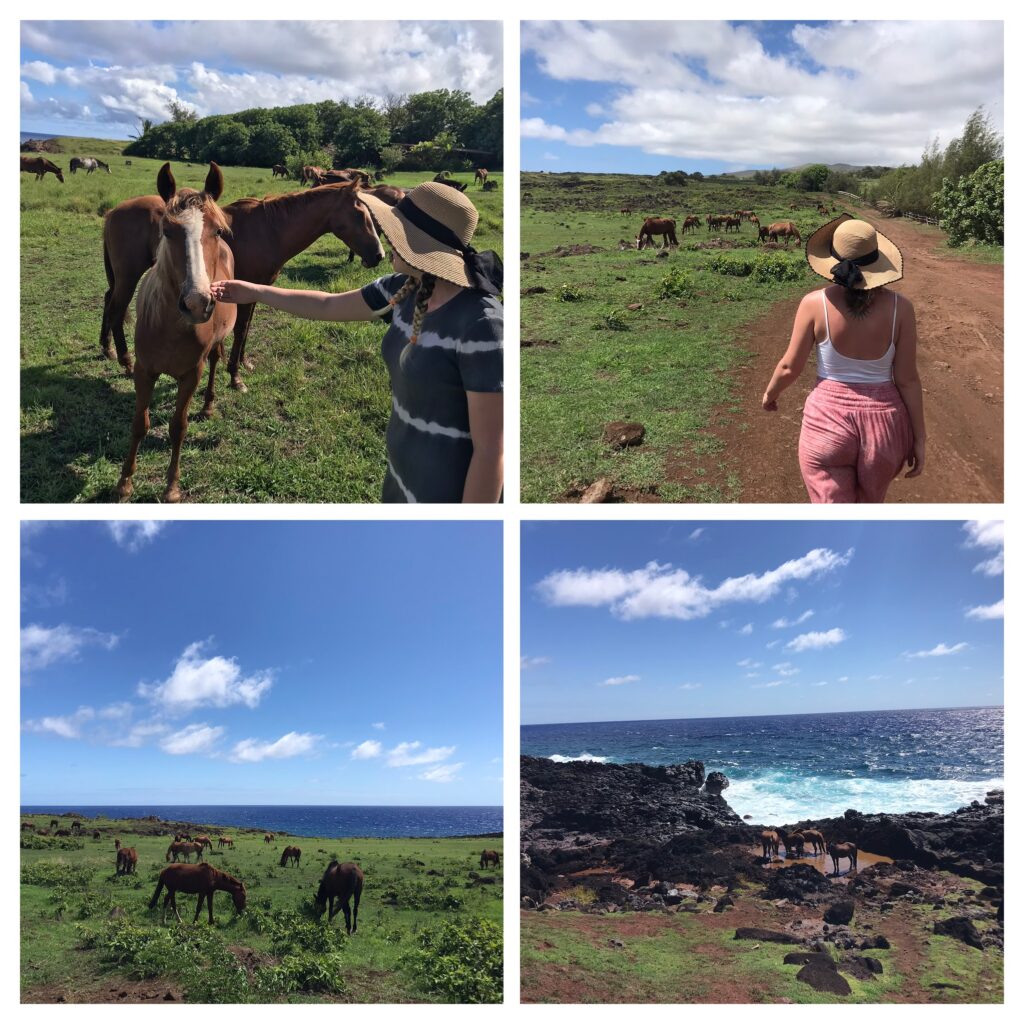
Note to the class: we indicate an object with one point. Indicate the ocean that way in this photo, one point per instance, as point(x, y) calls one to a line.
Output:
point(25, 136)
point(789, 767)
point(325, 822)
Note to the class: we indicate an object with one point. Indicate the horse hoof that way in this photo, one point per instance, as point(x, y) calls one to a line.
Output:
point(248, 363)
point(109, 353)
point(129, 369)
point(206, 413)
point(172, 495)
point(124, 490)
point(238, 384)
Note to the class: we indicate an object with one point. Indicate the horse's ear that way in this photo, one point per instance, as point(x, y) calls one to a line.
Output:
point(165, 183)
point(214, 182)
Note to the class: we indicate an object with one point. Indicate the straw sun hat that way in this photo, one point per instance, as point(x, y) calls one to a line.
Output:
point(431, 229)
point(852, 253)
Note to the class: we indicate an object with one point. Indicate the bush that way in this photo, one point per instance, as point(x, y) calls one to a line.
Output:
point(307, 972)
point(677, 284)
point(612, 322)
point(461, 962)
point(307, 158)
point(582, 895)
point(568, 293)
point(971, 209)
point(730, 266)
point(54, 873)
point(776, 266)
point(31, 842)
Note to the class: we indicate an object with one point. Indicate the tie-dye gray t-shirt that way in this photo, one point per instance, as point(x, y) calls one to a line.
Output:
point(459, 349)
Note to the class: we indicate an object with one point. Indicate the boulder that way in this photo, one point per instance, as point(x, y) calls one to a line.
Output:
point(840, 912)
point(766, 935)
point(961, 928)
point(715, 783)
point(824, 978)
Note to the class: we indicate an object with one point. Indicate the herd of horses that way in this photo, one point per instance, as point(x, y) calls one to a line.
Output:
point(665, 227)
point(795, 842)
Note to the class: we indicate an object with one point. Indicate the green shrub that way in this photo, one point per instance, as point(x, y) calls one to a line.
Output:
point(461, 962)
point(677, 284)
point(731, 266)
point(582, 895)
point(568, 293)
point(776, 266)
point(612, 322)
point(971, 209)
point(307, 972)
point(31, 842)
point(46, 872)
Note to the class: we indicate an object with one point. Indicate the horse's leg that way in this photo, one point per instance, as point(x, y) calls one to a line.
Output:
point(115, 308)
point(355, 910)
point(348, 916)
point(243, 319)
point(144, 384)
point(199, 906)
point(187, 385)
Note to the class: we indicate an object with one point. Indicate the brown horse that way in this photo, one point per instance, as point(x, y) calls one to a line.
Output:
point(75, 826)
point(26, 825)
point(839, 850)
point(664, 226)
point(226, 841)
point(203, 879)
point(117, 844)
point(756, 221)
point(794, 844)
point(816, 840)
point(769, 844)
point(96, 833)
point(481, 176)
point(444, 178)
point(309, 173)
point(54, 823)
point(268, 837)
point(785, 228)
point(204, 841)
point(691, 224)
point(127, 861)
point(340, 882)
point(731, 223)
point(265, 235)
point(337, 177)
point(40, 167)
point(386, 193)
point(184, 850)
point(489, 857)
point(291, 853)
point(279, 171)
point(179, 325)
point(626, 211)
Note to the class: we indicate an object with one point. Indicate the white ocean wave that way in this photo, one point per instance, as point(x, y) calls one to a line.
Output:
point(779, 797)
point(562, 759)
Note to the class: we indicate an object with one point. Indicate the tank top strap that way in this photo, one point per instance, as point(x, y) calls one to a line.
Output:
point(895, 305)
point(824, 306)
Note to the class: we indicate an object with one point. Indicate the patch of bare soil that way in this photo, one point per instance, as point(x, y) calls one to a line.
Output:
point(959, 307)
point(112, 991)
point(571, 250)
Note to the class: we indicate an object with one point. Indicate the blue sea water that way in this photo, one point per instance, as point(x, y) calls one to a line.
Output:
point(25, 136)
point(788, 767)
point(325, 822)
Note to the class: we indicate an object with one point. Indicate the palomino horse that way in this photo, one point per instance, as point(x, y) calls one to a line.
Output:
point(279, 171)
point(40, 167)
point(340, 882)
point(183, 850)
point(265, 235)
point(178, 324)
point(769, 844)
point(291, 853)
point(664, 226)
point(226, 841)
point(785, 228)
point(481, 176)
point(837, 851)
point(489, 857)
point(127, 861)
point(203, 879)
point(815, 839)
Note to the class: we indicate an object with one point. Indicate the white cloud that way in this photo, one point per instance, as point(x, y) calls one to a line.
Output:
point(291, 744)
point(748, 663)
point(406, 754)
point(844, 679)
point(938, 651)
point(696, 533)
point(983, 612)
point(816, 641)
point(526, 663)
point(769, 686)
point(691, 686)
point(134, 534)
point(42, 646)
point(823, 683)
point(198, 738)
point(619, 680)
point(367, 749)
point(378, 725)
point(659, 591)
point(68, 727)
point(987, 534)
point(442, 773)
point(139, 734)
point(719, 94)
point(785, 669)
point(746, 630)
point(798, 621)
point(198, 680)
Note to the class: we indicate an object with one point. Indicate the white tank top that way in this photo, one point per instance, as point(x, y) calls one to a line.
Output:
point(833, 365)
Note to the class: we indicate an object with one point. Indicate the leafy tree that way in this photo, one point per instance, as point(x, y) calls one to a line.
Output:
point(269, 144)
point(390, 158)
point(181, 114)
point(972, 207)
point(229, 144)
point(431, 113)
point(361, 134)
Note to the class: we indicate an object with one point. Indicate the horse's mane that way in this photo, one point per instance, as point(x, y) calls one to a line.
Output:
point(277, 204)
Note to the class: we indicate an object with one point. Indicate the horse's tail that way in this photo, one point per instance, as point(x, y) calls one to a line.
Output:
point(156, 895)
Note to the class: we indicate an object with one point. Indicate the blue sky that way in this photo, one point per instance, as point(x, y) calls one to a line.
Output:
point(262, 663)
point(98, 78)
point(641, 97)
point(628, 621)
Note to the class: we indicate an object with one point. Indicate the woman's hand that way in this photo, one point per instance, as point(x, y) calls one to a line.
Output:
point(916, 460)
point(769, 404)
point(235, 291)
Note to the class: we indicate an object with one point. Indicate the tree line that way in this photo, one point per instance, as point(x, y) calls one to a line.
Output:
point(424, 130)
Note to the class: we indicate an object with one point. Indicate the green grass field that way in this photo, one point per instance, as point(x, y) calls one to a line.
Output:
point(429, 922)
point(588, 359)
point(309, 429)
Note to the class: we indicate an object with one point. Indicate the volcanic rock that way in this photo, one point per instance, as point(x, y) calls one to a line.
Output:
point(840, 913)
point(961, 928)
point(766, 935)
point(824, 978)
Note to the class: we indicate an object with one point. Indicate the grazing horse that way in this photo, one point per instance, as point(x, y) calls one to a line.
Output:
point(268, 837)
point(291, 853)
point(664, 226)
point(226, 841)
point(816, 840)
point(489, 857)
point(40, 167)
point(265, 235)
point(785, 228)
point(755, 220)
point(732, 223)
point(839, 850)
point(117, 844)
point(279, 171)
point(309, 173)
point(90, 164)
point(692, 223)
point(459, 186)
point(345, 175)
point(26, 825)
point(179, 325)
point(762, 234)
point(204, 842)
point(769, 844)
point(63, 832)
point(481, 176)
point(127, 861)
point(75, 826)
point(340, 882)
point(54, 823)
point(96, 833)
point(626, 211)
point(794, 844)
point(203, 879)
point(184, 850)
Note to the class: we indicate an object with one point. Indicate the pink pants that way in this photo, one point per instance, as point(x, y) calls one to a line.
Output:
point(854, 441)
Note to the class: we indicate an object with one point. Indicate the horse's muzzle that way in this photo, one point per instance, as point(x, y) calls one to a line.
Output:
point(190, 313)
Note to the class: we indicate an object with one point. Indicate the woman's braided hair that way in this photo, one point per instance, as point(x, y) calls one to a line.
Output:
point(424, 288)
point(858, 301)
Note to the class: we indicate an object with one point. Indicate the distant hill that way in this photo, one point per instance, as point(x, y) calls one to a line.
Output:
point(799, 167)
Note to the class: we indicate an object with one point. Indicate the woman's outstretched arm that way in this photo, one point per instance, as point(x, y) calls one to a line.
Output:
point(906, 378)
point(485, 476)
point(309, 305)
point(791, 365)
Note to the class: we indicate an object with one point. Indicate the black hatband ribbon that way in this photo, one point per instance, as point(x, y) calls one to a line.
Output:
point(847, 272)
point(484, 269)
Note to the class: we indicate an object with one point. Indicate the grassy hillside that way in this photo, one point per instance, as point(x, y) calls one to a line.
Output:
point(309, 429)
point(429, 922)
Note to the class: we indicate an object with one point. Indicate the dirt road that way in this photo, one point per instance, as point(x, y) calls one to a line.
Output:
point(959, 308)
